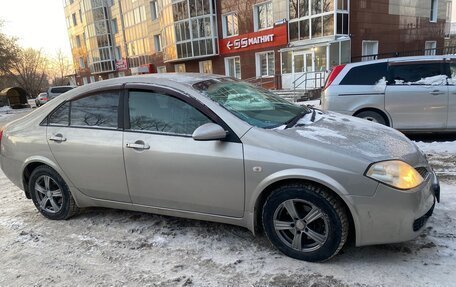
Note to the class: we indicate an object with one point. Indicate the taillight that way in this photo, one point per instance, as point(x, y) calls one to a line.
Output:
point(45, 99)
point(334, 73)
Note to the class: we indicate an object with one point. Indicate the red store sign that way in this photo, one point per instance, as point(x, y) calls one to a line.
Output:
point(121, 65)
point(276, 36)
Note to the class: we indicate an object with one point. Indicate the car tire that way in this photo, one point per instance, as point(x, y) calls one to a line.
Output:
point(315, 232)
point(372, 116)
point(51, 194)
point(37, 104)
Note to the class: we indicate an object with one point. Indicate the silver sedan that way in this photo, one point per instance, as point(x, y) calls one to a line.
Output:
point(213, 148)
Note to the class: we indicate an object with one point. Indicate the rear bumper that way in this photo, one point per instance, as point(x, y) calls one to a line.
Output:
point(12, 169)
point(392, 216)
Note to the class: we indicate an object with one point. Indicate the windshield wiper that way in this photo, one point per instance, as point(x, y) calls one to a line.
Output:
point(295, 119)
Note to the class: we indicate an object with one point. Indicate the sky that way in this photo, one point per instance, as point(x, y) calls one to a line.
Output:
point(39, 24)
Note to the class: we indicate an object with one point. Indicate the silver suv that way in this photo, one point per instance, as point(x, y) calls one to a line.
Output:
point(411, 94)
point(58, 90)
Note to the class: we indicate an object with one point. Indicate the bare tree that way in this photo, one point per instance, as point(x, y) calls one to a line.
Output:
point(61, 67)
point(9, 51)
point(29, 71)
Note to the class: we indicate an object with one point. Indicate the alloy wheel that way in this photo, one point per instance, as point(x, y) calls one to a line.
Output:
point(301, 225)
point(48, 194)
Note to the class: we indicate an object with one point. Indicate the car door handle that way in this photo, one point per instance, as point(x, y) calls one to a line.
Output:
point(57, 138)
point(138, 145)
point(436, 92)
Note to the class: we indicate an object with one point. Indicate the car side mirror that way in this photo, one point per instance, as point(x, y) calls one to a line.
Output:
point(209, 132)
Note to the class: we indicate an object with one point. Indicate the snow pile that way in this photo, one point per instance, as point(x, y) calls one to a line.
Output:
point(320, 134)
point(438, 147)
point(439, 80)
point(5, 109)
point(311, 103)
point(380, 86)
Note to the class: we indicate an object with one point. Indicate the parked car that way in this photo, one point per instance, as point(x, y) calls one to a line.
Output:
point(209, 147)
point(55, 91)
point(41, 99)
point(411, 94)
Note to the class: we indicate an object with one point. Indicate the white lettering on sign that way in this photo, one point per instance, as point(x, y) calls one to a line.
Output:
point(245, 42)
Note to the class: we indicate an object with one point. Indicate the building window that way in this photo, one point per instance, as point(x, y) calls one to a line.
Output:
point(121, 74)
point(262, 16)
point(265, 64)
point(80, 15)
point(434, 10)
point(233, 67)
point(448, 11)
point(114, 26)
point(179, 68)
point(161, 69)
point(430, 48)
point(205, 67)
point(92, 79)
point(75, 22)
point(118, 53)
point(157, 43)
point(85, 81)
point(342, 23)
point(153, 10)
point(370, 50)
point(342, 5)
point(81, 63)
point(78, 41)
point(230, 25)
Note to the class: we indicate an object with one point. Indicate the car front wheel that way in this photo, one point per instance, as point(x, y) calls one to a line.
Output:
point(51, 195)
point(373, 117)
point(305, 222)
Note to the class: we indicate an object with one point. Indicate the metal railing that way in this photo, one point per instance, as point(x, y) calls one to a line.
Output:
point(274, 81)
point(318, 80)
point(422, 52)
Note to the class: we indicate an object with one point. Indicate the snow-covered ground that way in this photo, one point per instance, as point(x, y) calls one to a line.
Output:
point(121, 248)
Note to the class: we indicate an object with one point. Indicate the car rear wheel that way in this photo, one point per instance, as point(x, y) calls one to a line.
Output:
point(373, 117)
point(51, 195)
point(305, 222)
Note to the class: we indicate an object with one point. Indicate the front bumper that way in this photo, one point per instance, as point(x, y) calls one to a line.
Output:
point(392, 216)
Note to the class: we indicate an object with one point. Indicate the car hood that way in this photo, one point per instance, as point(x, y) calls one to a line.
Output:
point(354, 136)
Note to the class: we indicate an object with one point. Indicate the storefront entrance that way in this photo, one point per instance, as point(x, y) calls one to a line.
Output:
point(303, 62)
point(307, 67)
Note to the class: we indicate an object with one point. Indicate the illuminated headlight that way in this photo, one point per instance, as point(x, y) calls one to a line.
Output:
point(395, 173)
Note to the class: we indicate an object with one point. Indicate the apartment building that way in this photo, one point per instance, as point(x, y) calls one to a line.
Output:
point(282, 44)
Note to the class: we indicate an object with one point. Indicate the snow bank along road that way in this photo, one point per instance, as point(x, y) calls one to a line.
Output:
point(119, 248)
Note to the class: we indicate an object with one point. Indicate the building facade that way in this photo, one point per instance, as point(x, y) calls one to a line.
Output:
point(280, 44)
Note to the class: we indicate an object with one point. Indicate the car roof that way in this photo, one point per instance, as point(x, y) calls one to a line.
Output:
point(162, 78)
point(403, 59)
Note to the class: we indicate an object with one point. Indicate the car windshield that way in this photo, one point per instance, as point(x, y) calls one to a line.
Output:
point(255, 105)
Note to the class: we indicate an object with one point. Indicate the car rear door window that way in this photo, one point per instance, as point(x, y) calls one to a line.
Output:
point(99, 110)
point(158, 112)
point(417, 74)
point(369, 74)
point(60, 116)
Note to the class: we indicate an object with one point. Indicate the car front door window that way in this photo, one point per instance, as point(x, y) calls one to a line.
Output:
point(157, 112)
